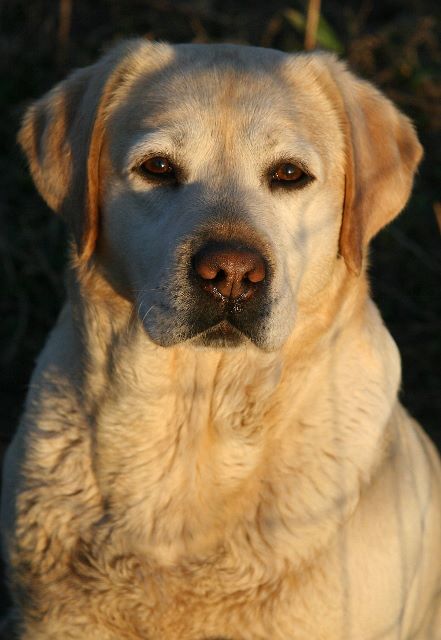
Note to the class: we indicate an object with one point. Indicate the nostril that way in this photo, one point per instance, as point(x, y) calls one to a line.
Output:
point(221, 275)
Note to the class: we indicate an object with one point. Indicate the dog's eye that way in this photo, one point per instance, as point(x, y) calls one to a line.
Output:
point(157, 167)
point(289, 172)
point(290, 175)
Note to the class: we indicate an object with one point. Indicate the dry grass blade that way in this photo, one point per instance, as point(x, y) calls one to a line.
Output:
point(64, 25)
point(437, 211)
point(312, 20)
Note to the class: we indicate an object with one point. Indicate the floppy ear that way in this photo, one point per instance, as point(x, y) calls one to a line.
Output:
point(382, 154)
point(62, 135)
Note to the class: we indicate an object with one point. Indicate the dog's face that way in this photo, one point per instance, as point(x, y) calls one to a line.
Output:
point(227, 182)
point(223, 197)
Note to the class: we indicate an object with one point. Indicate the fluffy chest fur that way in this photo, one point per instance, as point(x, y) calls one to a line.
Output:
point(198, 501)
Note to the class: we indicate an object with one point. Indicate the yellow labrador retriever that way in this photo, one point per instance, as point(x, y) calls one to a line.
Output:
point(212, 445)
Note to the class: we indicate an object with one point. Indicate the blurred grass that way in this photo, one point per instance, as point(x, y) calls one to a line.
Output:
point(393, 43)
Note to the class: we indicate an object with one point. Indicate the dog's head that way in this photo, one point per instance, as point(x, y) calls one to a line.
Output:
point(218, 188)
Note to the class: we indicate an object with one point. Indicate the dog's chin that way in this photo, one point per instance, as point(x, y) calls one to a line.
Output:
point(221, 336)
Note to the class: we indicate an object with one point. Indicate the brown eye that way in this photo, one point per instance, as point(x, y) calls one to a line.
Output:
point(288, 172)
point(157, 167)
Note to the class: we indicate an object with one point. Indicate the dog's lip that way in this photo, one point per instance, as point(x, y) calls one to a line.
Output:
point(220, 335)
point(224, 327)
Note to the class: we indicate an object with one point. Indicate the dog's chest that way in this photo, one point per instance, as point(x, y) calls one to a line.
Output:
point(224, 597)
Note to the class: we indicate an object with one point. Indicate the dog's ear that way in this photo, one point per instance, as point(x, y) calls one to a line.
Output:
point(62, 135)
point(382, 154)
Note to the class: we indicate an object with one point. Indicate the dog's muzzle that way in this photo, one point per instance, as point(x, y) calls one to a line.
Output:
point(229, 291)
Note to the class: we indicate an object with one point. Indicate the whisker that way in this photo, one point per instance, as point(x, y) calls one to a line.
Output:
point(147, 313)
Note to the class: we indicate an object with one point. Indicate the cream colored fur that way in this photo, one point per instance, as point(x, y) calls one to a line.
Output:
point(161, 490)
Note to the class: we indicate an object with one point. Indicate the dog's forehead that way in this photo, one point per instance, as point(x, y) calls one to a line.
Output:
point(258, 95)
point(210, 80)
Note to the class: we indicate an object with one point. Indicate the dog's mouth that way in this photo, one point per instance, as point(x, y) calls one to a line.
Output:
point(227, 323)
point(221, 335)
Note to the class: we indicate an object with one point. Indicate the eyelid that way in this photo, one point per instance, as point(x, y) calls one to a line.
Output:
point(298, 163)
point(170, 166)
point(177, 175)
point(286, 185)
point(137, 161)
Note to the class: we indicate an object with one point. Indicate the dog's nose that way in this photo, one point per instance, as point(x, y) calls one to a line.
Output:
point(229, 270)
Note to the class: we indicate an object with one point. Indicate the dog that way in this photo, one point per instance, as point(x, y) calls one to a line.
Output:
point(212, 444)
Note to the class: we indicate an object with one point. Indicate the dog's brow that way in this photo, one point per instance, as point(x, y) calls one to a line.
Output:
point(271, 145)
point(300, 150)
point(155, 141)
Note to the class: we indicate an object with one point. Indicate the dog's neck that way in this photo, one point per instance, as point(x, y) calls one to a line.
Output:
point(191, 446)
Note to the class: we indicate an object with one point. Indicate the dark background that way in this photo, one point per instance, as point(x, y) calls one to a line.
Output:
point(395, 44)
